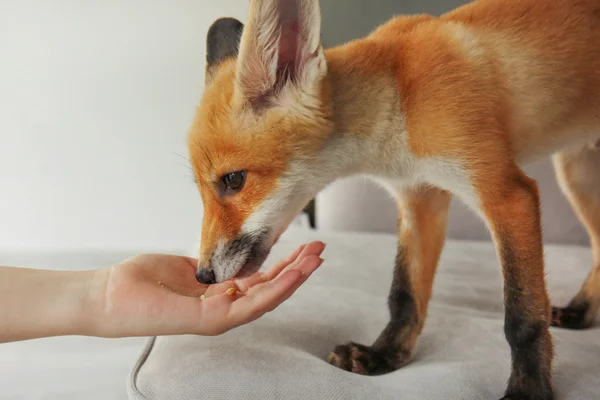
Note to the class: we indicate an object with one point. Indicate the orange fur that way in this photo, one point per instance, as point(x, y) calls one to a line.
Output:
point(422, 231)
point(220, 143)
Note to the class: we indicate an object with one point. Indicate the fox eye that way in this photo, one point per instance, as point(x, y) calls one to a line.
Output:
point(234, 181)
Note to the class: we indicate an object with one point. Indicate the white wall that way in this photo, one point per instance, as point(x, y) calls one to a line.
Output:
point(95, 101)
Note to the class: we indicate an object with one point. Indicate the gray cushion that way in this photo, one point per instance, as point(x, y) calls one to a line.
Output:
point(462, 353)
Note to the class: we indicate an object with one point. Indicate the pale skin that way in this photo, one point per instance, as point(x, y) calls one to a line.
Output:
point(147, 295)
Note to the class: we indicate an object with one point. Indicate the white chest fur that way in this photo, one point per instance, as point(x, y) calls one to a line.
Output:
point(396, 168)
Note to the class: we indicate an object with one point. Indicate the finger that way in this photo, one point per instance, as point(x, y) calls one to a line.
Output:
point(259, 277)
point(296, 256)
point(250, 307)
point(221, 312)
point(306, 267)
point(311, 249)
point(243, 285)
point(273, 293)
point(242, 310)
point(293, 255)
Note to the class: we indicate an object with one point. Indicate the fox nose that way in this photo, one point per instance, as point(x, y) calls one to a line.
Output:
point(205, 275)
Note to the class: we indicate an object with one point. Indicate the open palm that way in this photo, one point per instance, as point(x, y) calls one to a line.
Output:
point(156, 294)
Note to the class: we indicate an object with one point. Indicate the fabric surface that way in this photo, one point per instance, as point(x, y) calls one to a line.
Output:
point(66, 368)
point(462, 353)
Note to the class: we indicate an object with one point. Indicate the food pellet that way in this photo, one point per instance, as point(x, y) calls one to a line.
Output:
point(231, 291)
point(202, 297)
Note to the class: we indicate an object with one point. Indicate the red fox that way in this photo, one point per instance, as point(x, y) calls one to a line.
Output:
point(430, 107)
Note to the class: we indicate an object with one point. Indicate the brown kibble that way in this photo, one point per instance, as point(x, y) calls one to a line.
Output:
point(231, 291)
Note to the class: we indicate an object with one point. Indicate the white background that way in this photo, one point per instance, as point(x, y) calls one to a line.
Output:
point(96, 98)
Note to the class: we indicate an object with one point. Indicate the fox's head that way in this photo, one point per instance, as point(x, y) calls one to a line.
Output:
point(256, 141)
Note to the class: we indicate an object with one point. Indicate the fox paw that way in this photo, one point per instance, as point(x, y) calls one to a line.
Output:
point(362, 359)
point(570, 317)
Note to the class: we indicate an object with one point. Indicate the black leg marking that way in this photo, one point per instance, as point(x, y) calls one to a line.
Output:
point(394, 346)
point(526, 330)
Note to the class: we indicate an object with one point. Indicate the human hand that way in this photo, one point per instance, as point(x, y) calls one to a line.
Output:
point(153, 295)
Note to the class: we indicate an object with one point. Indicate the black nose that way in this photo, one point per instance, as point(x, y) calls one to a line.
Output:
point(205, 275)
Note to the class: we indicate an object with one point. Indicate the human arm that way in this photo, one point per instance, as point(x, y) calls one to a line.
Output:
point(144, 296)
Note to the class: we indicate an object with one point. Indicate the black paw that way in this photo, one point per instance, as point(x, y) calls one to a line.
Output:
point(570, 317)
point(364, 360)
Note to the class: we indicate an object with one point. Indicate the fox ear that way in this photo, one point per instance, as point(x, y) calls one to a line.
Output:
point(280, 51)
point(222, 42)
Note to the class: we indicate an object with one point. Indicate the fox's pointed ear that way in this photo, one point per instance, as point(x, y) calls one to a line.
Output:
point(280, 51)
point(222, 42)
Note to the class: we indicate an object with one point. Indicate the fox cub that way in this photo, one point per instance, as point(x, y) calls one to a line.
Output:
point(430, 107)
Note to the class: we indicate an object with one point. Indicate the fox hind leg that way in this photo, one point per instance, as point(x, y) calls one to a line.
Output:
point(578, 173)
